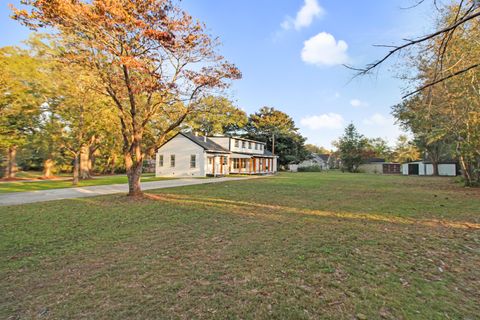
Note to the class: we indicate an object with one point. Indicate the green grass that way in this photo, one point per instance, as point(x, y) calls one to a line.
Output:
point(22, 186)
point(293, 246)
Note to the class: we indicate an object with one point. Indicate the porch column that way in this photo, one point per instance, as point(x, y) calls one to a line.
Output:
point(213, 165)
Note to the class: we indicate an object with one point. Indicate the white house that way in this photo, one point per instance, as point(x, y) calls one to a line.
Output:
point(189, 155)
point(315, 160)
point(422, 168)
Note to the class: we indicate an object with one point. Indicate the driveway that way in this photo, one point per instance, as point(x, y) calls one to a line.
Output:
point(15, 198)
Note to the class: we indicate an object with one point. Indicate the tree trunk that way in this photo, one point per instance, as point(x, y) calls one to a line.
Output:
point(435, 168)
point(91, 160)
point(113, 160)
point(11, 162)
point(48, 166)
point(76, 169)
point(134, 171)
point(84, 163)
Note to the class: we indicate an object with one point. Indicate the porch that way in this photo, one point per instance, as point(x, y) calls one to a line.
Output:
point(217, 165)
point(245, 164)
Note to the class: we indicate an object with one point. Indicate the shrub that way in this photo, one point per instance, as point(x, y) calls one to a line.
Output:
point(310, 169)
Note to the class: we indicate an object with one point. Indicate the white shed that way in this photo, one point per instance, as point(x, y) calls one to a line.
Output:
point(422, 168)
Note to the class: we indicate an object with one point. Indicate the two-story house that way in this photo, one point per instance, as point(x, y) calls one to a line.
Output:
point(189, 155)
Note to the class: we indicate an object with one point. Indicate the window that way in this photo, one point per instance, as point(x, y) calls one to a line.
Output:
point(261, 147)
point(193, 161)
point(225, 161)
point(256, 146)
point(244, 144)
point(249, 145)
point(160, 160)
point(237, 143)
point(236, 163)
point(172, 160)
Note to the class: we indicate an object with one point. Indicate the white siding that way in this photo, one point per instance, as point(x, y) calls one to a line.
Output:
point(241, 149)
point(444, 169)
point(375, 168)
point(182, 148)
point(223, 141)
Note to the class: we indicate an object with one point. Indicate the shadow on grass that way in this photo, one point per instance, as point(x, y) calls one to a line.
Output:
point(243, 207)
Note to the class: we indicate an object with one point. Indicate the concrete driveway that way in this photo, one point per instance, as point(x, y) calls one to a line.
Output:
point(15, 198)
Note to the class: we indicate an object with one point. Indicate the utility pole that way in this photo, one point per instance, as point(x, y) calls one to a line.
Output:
point(273, 143)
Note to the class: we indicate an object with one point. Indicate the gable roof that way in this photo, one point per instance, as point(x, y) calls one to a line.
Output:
point(205, 143)
point(322, 156)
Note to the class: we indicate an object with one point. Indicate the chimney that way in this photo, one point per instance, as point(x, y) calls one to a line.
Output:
point(204, 138)
point(196, 133)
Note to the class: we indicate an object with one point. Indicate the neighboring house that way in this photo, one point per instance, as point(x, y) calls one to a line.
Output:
point(425, 168)
point(315, 160)
point(380, 166)
point(189, 155)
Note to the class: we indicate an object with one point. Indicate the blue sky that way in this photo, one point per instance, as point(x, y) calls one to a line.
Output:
point(290, 53)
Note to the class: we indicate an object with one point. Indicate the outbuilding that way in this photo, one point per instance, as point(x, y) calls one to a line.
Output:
point(424, 168)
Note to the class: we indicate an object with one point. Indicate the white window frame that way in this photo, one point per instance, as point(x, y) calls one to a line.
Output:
point(160, 160)
point(193, 161)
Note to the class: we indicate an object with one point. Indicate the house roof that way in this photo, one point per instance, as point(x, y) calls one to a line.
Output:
point(323, 156)
point(205, 143)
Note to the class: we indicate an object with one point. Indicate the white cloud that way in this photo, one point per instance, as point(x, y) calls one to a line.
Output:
point(378, 120)
point(324, 50)
point(310, 10)
point(323, 121)
point(358, 103)
point(378, 125)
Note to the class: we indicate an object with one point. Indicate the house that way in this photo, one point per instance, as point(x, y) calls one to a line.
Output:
point(425, 168)
point(314, 160)
point(189, 155)
point(380, 166)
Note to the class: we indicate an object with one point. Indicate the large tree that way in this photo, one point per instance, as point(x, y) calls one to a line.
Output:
point(444, 117)
point(277, 129)
point(405, 150)
point(351, 148)
point(20, 100)
point(216, 115)
point(152, 59)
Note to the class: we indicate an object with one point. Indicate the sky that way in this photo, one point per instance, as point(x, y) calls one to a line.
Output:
point(291, 54)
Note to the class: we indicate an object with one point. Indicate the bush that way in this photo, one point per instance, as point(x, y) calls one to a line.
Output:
point(310, 169)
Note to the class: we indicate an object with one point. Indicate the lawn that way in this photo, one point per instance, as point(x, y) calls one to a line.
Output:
point(293, 246)
point(22, 186)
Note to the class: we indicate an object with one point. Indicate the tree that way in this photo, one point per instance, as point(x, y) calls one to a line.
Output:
point(462, 14)
point(405, 150)
point(443, 117)
point(378, 147)
point(351, 148)
point(20, 102)
point(216, 115)
point(153, 60)
point(278, 131)
point(317, 149)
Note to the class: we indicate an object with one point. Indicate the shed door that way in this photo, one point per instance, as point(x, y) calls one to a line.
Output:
point(413, 169)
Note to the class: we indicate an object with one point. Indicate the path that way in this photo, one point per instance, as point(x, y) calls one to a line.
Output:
point(15, 198)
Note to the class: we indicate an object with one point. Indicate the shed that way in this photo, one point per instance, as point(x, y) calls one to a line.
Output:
point(424, 168)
